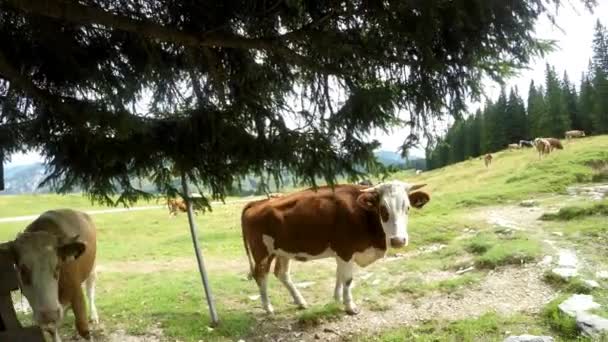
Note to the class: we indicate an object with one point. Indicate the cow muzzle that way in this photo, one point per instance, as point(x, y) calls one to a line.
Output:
point(398, 242)
point(49, 317)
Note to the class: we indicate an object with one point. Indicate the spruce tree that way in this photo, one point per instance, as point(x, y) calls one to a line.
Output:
point(114, 90)
point(570, 98)
point(586, 105)
point(556, 120)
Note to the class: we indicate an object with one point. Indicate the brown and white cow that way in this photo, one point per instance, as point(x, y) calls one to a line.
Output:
point(352, 223)
point(176, 205)
point(487, 159)
point(574, 134)
point(555, 144)
point(543, 146)
point(54, 256)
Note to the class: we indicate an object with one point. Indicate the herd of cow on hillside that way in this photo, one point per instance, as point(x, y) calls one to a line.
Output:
point(353, 223)
point(543, 146)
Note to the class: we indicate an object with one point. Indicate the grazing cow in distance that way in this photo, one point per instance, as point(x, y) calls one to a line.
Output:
point(555, 143)
point(352, 223)
point(526, 143)
point(418, 172)
point(543, 146)
point(366, 182)
point(53, 257)
point(176, 205)
point(574, 134)
point(513, 146)
point(487, 159)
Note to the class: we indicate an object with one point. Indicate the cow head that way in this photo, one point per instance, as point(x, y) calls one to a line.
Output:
point(38, 257)
point(392, 201)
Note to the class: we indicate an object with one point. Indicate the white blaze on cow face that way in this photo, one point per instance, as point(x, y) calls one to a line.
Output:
point(394, 206)
point(38, 258)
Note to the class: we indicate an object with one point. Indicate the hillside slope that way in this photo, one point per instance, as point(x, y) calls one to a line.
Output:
point(517, 174)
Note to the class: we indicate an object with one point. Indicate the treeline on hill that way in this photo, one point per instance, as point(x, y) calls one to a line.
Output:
point(552, 108)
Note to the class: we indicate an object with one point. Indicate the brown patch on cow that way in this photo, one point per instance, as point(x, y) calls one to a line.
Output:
point(369, 201)
point(419, 198)
point(384, 213)
point(555, 143)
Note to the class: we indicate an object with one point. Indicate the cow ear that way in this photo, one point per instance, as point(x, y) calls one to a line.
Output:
point(369, 200)
point(418, 199)
point(415, 187)
point(72, 249)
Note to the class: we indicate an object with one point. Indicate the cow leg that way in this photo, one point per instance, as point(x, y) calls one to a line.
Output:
point(80, 313)
point(90, 287)
point(345, 271)
point(339, 285)
point(281, 271)
point(261, 278)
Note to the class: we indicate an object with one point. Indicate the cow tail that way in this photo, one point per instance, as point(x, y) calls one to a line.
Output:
point(250, 275)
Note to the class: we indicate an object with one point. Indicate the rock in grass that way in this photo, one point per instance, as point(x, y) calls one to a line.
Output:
point(602, 274)
point(565, 272)
point(578, 304)
point(528, 203)
point(592, 325)
point(591, 283)
point(529, 338)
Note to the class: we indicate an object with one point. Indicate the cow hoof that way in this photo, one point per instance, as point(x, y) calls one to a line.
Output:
point(86, 335)
point(352, 311)
point(269, 310)
point(302, 306)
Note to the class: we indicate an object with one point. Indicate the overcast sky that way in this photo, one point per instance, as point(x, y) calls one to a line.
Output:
point(573, 53)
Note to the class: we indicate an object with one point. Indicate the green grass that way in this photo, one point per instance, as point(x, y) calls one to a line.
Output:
point(318, 314)
point(172, 296)
point(489, 327)
point(492, 250)
point(570, 285)
point(577, 212)
point(559, 322)
point(510, 252)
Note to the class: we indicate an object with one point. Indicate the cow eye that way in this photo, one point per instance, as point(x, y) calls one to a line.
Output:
point(25, 275)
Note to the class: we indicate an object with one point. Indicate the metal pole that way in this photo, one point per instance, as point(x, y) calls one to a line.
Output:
point(1, 170)
point(199, 257)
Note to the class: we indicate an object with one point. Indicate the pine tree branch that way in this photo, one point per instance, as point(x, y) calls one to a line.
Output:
point(86, 15)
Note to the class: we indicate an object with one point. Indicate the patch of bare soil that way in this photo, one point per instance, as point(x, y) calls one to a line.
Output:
point(508, 290)
point(153, 335)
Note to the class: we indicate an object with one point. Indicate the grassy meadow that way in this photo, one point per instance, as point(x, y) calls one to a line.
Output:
point(148, 275)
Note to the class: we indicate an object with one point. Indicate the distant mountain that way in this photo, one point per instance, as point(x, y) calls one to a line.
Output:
point(24, 179)
point(389, 158)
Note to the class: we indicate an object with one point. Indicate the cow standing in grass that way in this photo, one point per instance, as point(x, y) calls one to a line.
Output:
point(513, 147)
point(176, 205)
point(487, 159)
point(53, 257)
point(555, 144)
point(526, 143)
point(574, 134)
point(352, 223)
point(543, 146)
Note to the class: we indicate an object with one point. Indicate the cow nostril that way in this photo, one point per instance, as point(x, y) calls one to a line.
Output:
point(397, 242)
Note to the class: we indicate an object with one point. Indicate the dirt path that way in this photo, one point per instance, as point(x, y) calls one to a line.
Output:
point(508, 290)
